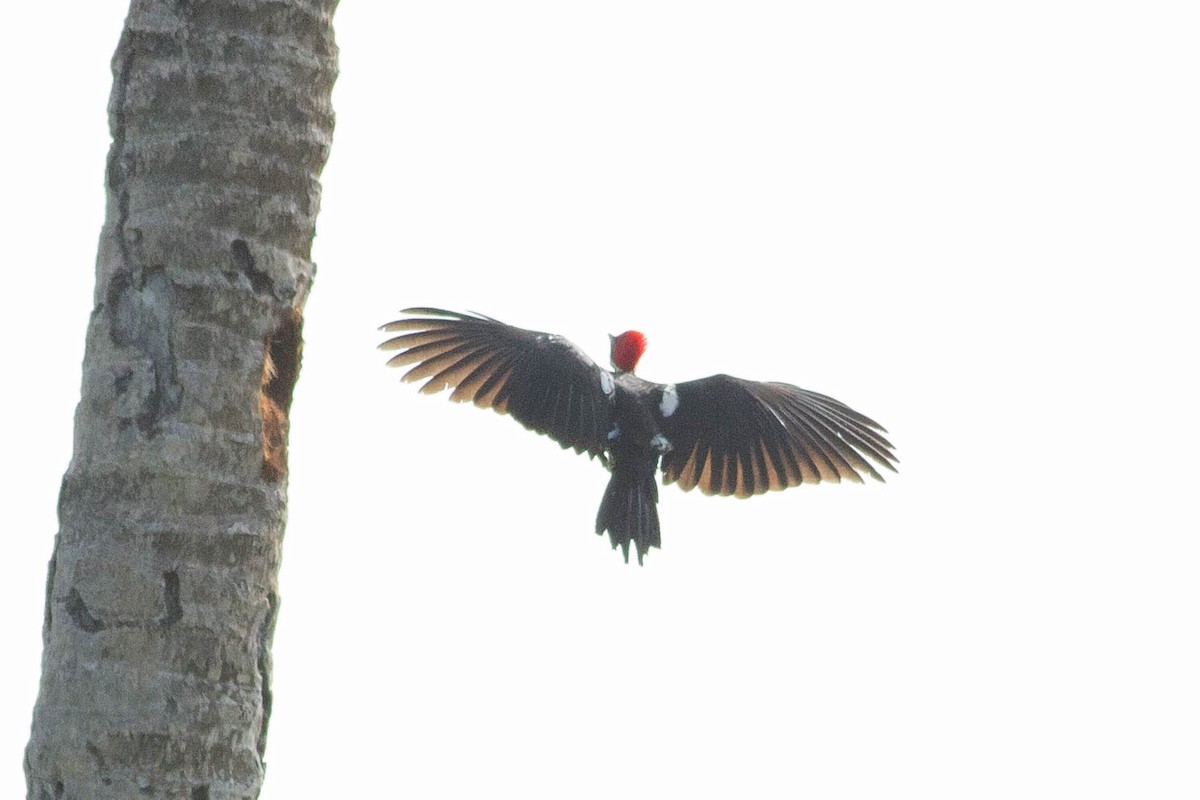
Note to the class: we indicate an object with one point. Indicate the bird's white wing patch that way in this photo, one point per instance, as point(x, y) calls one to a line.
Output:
point(606, 382)
point(670, 400)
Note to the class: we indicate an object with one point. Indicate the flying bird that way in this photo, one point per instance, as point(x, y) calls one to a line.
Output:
point(725, 435)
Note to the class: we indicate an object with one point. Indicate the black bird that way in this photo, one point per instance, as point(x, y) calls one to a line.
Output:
point(725, 435)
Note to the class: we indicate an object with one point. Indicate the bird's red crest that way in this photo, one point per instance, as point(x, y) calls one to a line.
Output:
point(627, 349)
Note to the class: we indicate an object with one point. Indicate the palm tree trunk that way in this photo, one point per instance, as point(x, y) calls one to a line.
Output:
point(161, 597)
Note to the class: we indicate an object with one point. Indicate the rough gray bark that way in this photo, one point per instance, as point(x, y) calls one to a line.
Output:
point(161, 597)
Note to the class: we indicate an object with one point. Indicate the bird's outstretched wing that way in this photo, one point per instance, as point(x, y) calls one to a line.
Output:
point(737, 437)
point(543, 381)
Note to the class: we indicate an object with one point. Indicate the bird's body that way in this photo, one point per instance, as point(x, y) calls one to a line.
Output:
point(629, 509)
point(725, 435)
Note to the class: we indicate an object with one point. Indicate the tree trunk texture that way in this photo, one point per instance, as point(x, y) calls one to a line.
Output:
point(161, 597)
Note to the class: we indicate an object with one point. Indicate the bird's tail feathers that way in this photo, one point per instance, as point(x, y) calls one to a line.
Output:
point(629, 511)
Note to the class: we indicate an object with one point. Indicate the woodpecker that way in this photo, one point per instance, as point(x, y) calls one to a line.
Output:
point(725, 435)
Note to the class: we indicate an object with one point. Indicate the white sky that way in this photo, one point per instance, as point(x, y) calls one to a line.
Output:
point(976, 223)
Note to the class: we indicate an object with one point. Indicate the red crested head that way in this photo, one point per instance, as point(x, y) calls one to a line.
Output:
point(627, 348)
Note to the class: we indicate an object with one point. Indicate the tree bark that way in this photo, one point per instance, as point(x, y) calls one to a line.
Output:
point(161, 597)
